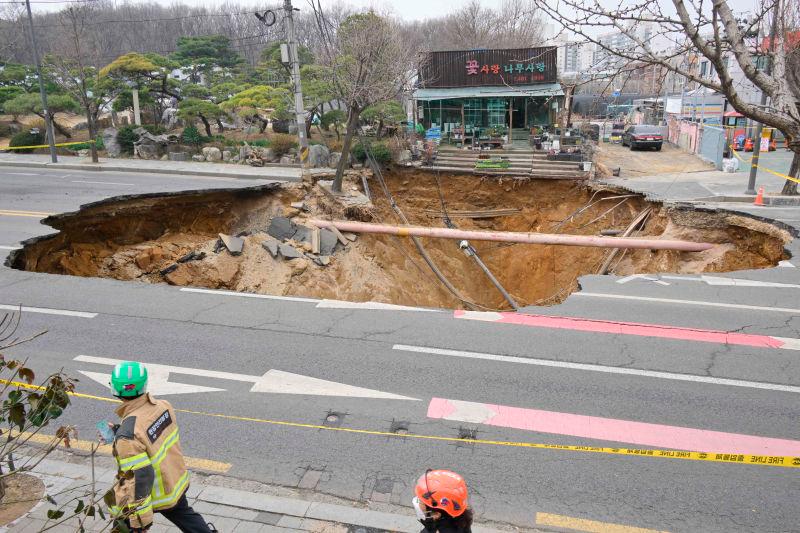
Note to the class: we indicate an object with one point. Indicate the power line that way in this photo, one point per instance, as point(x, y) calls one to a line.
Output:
point(168, 19)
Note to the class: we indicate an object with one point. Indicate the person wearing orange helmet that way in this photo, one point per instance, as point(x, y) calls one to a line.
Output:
point(441, 502)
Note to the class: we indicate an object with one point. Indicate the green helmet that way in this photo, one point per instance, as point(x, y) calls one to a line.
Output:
point(128, 379)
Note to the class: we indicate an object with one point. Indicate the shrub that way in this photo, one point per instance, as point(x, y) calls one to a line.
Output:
point(380, 151)
point(87, 145)
point(5, 130)
point(126, 137)
point(191, 135)
point(282, 143)
point(26, 138)
point(154, 129)
point(261, 143)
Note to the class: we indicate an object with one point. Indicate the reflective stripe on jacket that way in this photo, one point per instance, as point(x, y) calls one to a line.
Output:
point(152, 475)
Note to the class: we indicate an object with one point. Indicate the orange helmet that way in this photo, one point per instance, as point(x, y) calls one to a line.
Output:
point(443, 490)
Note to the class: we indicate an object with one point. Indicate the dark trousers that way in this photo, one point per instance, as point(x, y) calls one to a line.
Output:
point(185, 518)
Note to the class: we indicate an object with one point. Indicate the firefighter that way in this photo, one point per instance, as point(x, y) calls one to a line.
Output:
point(441, 502)
point(152, 476)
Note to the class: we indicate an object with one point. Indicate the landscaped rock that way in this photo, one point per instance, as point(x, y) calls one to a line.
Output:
point(333, 160)
point(318, 156)
point(83, 153)
point(113, 148)
point(244, 152)
point(226, 155)
point(177, 156)
point(404, 157)
point(212, 154)
point(199, 158)
point(287, 160)
point(151, 146)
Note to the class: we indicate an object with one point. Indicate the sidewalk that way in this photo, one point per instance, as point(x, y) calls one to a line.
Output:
point(184, 168)
point(251, 507)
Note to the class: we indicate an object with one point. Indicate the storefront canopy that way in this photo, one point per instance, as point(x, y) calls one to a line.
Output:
point(543, 89)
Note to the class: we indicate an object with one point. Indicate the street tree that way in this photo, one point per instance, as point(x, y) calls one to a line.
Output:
point(73, 72)
point(31, 103)
point(270, 69)
point(712, 31)
point(369, 63)
point(318, 90)
point(259, 104)
point(191, 109)
point(140, 71)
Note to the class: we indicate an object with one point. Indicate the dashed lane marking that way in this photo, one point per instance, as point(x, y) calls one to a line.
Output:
point(103, 183)
point(687, 302)
point(47, 311)
point(380, 306)
point(600, 368)
point(589, 526)
point(755, 460)
point(87, 446)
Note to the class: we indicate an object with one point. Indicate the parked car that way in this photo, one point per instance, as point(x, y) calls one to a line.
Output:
point(643, 137)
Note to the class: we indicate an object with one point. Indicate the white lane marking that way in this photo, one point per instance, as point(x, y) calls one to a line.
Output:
point(599, 368)
point(251, 295)
point(157, 382)
point(9, 247)
point(20, 174)
point(645, 277)
point(273, 381)
point(47, 311)
point(688, 302)
point(340, 304)
point(734, 282)
point(103, 182)
point(786, 264)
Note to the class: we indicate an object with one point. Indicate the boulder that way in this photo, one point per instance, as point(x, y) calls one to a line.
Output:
point(227, 155)
point(177, 156)
point(333, 160)
point(199, 158)
point(404, 157)
point(83, 153)
point(318, 156)
point(113, 148)
point(151, 146)
point(212, 154)
point(244, 152)
point(287, 160)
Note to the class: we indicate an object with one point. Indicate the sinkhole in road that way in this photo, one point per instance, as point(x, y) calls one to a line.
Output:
point(142, 238)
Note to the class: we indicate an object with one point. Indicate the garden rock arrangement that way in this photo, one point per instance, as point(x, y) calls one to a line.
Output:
point(151, 146)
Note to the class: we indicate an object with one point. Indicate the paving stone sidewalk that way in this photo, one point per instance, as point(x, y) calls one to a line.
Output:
point(232, 510)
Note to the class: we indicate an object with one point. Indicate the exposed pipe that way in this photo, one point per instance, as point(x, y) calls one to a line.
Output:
point(471, 252)
point(508, 236)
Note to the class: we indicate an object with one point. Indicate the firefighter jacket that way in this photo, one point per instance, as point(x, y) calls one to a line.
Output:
point(147, 444)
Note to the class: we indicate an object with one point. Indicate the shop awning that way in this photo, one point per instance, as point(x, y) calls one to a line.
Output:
point(543, 89)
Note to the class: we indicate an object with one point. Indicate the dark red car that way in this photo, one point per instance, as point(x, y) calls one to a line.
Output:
point(643, 137)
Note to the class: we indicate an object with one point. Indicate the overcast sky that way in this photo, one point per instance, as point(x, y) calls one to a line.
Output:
point(407, 9)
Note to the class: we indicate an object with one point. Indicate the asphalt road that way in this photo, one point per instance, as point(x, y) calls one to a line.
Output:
point(244, 337)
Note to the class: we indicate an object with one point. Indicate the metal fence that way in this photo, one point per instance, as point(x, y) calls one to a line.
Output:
point(712, 145)
point(705, 140)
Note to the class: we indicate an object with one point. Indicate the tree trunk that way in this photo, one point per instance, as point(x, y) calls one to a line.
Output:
point(220, 127)
point(379, 133)
point(92, 135)
point(56, 126)
point(206, 125)
point(352, 120)
point(790, 187)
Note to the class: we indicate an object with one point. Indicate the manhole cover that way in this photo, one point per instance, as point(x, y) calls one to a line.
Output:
point(333, 419)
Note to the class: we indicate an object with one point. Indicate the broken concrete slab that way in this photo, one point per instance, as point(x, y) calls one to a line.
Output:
point(315, 238)
point(327, 242)
point(194, 255)
point(298, 205)
point(233, 244)
point(303, 234)
point(339, 236)
point(288, 251)
point(271, 245)
point(321, 260)
point(350, 236)
point(282, 228)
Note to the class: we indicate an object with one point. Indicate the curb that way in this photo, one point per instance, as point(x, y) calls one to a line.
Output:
point(100, 167)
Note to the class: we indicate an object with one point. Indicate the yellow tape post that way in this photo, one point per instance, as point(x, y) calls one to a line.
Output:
point(42, 146)
point(742, 459)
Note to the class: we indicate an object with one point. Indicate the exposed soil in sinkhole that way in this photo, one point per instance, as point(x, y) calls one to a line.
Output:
point(141, 237)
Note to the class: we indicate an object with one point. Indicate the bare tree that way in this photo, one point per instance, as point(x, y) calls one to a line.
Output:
point(369, 62)
point(709, 30)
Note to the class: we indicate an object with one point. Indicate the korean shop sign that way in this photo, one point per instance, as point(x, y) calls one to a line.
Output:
point(475, 68)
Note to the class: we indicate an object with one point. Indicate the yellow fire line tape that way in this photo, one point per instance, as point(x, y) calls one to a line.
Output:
point(765, 169)
point(43, 145)
point(87, 446)
point(758, 460)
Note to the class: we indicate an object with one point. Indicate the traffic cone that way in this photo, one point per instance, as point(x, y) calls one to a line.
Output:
point(759, 197)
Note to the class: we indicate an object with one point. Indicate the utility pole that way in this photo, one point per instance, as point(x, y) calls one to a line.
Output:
point(751, 182)
point(51, 139)
point(294, 59)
